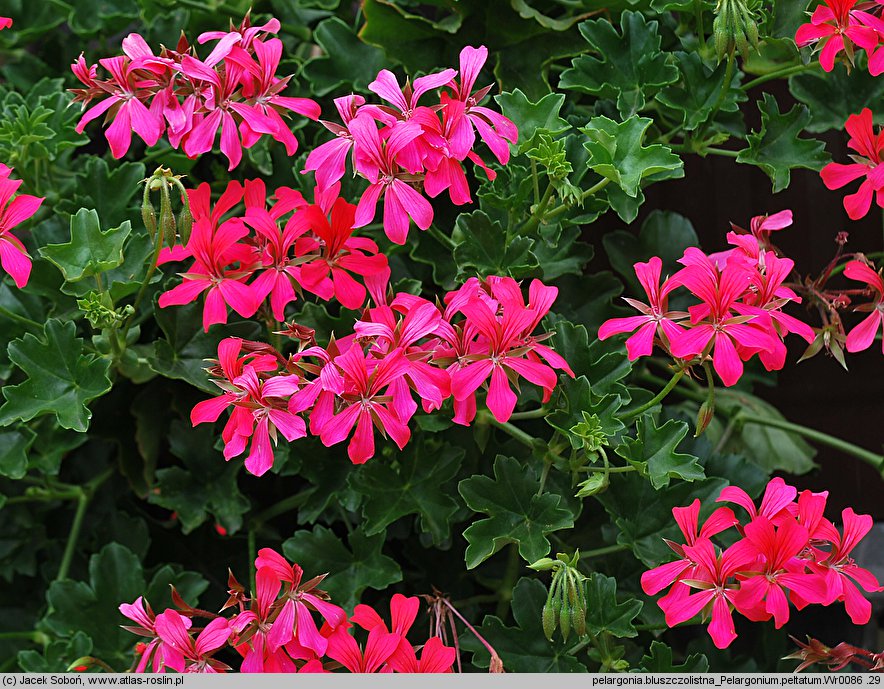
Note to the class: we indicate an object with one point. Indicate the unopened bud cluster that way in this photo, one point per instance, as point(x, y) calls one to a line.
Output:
point(170, 229)
point(565, 605)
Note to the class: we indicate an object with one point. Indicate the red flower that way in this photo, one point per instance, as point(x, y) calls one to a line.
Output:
point(863, 335)
point(656, 321)
point(14, 211)
point(870, 147)
point(835, 27)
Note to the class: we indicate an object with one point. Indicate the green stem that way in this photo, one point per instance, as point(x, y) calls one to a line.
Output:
point(539, 214)
point(544, 474)
point(725, 87)
point(538, 413)
point(505, 591)
point(875, 460)
point(609, 469)
point(526, 439)
point(606, 550)
point(151, 269)
point(659, 397)
point(73, 536)
point(721, 152)
point(83, 500)
point(285, 505)
point(701, 32)
point(36, 637)
point(779, 73)
point(441, 237)
point(558, 210)
point(11, 315)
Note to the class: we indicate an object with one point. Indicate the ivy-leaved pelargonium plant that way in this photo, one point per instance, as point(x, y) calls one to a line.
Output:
point(304, 291)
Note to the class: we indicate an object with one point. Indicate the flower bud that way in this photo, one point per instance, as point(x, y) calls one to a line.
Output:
point(549, 619)
point(704, 417)
point(565, 618)
point(185, 223)
point(148, 214)
point(167, 218)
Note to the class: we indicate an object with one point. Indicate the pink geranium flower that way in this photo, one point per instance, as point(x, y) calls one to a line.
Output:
point(435, 657)
point(656, 319)
point(503, 349)
point(495, 129)
point(329, 160)
point(5, 23)
point(715, 331)
point(688, 519)
point(182, 653)
point(764, 591)
point(124, 106)
point(842, 574)
point(834, 27)
point(392, 331)
point(378, 649)
point(14, 211)
point(716, 593)
point(361, 386)
point(213, 252)
point(376, 160)
point(863, 335)
point(869, 146)
point(143, 616)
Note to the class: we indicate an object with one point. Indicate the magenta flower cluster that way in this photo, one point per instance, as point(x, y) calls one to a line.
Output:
point(398, 145)
point(788, 552)
point(483, 336)
point(275, 630)
point(235, 89)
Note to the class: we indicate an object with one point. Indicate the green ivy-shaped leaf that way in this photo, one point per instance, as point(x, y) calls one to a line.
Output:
point(62, 378)
point(652, 452)
point(663, 233)
point(346, 59)
point(204, 486)
point(516, 513)
point(530, 117)
point(777, 147)
point(660, 660)
point(481, 244)
point(616, 152)
point(523, 648)
point(832, 101)
point(604, 614)
point(115, 576)
point(14, 446)
point(181, 354)
point(109, 191)
point(90, 251)
point(352, 570)
point(630, 66)
point(415, 486)
point(695, 95)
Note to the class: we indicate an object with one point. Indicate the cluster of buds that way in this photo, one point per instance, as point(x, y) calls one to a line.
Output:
point(171, 230)
point(565, 605)
point(735, 26)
